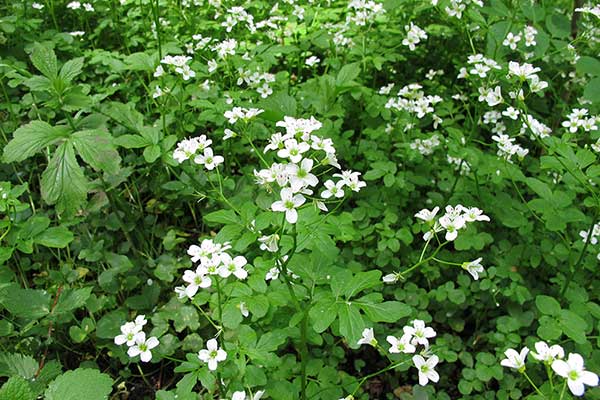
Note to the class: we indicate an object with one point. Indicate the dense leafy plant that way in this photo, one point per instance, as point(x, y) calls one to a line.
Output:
point(299, 199)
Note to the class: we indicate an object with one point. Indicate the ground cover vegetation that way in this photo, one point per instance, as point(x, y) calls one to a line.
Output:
point(299, 199)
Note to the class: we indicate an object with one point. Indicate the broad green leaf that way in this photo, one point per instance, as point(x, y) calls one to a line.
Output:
point(539, 187)
point(547, 305)
point(57, 237)
point(44, 59)
point(322, 314)
point(71, 69)
point(388, 311)
point(132, 141)
point(151, 153)
point(82, 383)
point(63, 182)
point(222, 217)
point(351, 323)
point(71, 299)
point(14, 364)
point(16, 388)
point(592, 91)
point(31, 138)
point(25, 303)
point(347, 74)
point(95, 147)
point(362, 281)
point(588, 65)
point(573, 326)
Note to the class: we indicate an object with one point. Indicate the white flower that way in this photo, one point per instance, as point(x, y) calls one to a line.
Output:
point(426, 369)
point(368, 337)
point(244, 309)
point(288, 204)
point(272, 274)
point(228, 134)
point(196, 279)
point(269, 243)
point(452, 225)
point(233, 266)
point(129, 332)
point(212, 355)
point(212, 66)
point(142, 347)
point(427, 215)
point(37, 6)
point(512, 40)
point(333, 189)
point(208, 159)
point(264, 90)
point(74, 5)
point(547, 354)
point(299, 175)
point(312, 61)
point(402, 345)
point(473, 267)
point(514, 359)
point(576, 375)
point(419, 332)
point(293, 150)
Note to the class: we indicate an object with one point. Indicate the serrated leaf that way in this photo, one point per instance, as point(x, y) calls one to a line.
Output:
point(16, 388)
point(25, 303)
point(72, 299)
point(56, 237)
point(44, 59)
point(71, 69)
point(13, 364)
point(31, 138)
point(63, 182)
point(82, 383)
point(95, 147)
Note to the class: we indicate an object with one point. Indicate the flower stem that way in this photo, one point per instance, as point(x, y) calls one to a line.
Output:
point(533, 384)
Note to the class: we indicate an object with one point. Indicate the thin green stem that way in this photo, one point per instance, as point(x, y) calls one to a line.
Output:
point(533, 384)
point(381, 371)
point(431, 257)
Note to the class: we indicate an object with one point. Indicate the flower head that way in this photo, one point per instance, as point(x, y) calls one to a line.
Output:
point(425, 367)
point(576, 375)
point(515, 359)
point(212, 355)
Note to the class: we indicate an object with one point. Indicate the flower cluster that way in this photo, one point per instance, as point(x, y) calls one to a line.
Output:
point(591, 236)
point(425, 146)
point(572, 369)
point(245, 114)
point(414, 335)
point(213, 260)
point(254, 80)
point(135, 338)
point(512, 40)
point(527, 72)
point(414, 34)
point(76, 5)
point(455, 219)
point(507, 148)
point(181, 66)
point(479, 66)
point(187, 148)
point(362, 12)
point(413, 100)
point(578, 119)
point(298, 148)
point(457, 7)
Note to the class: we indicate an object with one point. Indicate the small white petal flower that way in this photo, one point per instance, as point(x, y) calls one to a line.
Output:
point(426, 369)
point(515, 359)
point(368, 337)
point(212, 355)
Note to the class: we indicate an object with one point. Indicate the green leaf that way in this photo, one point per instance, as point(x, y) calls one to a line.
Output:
point(44, 59)
point(131, 141)
point(558, 25)
point(71, 69)
point(351, 323)
point(362, 281)
point(63, 182)
point(322, 314)
point(388, 311)
point(539, 187)
point(25, 303)
point(588, 65)
point(223, 217)
point(573, 326)
point(16, 388)
point(151, 153)
point(29, 139)
point(72, 299)
point(547, 305)
point(95, 147)
point(13, 364)
point(347, 74)
point(56, 237)
point(82, 383)
point(592, 91)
